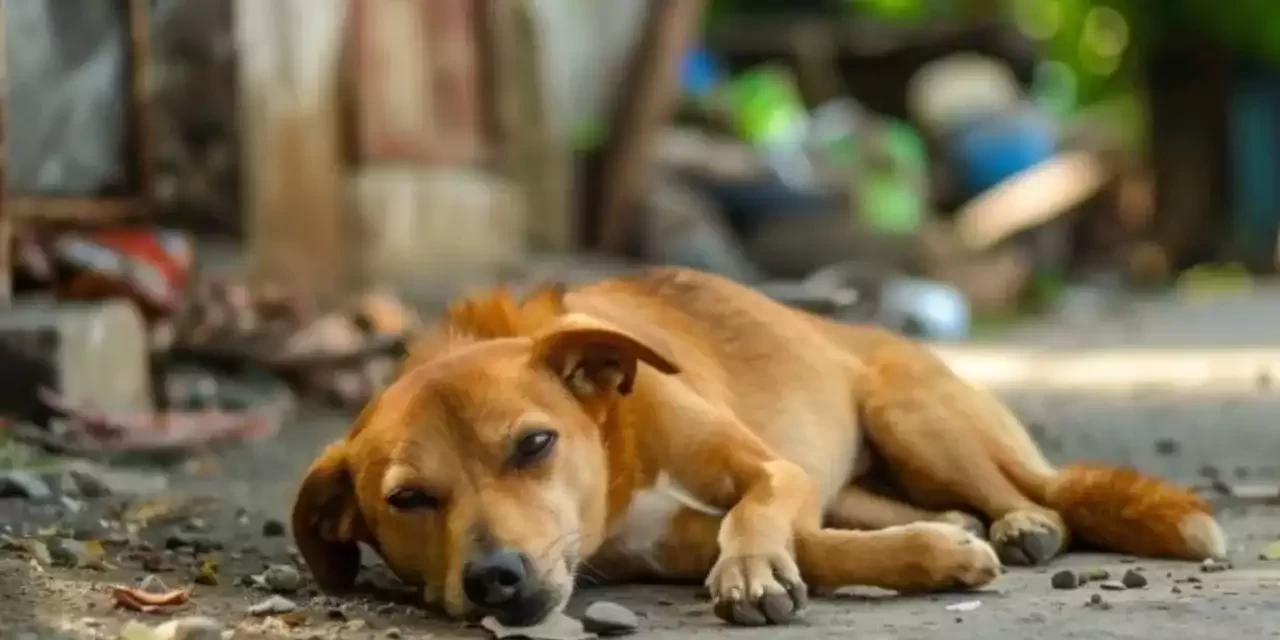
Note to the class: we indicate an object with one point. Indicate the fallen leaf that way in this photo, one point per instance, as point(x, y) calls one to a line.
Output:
point(208, 574)
point(139, 600)
point(294, 619)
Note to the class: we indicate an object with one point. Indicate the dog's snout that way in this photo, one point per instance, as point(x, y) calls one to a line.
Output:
point(495, 578)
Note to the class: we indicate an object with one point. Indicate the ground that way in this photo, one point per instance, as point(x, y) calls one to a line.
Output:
point(1175, 433)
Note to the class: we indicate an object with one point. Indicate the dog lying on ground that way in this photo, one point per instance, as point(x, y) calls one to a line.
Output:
point(677, 426)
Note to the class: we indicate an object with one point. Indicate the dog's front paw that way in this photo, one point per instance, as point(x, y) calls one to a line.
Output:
point(758, 589)
point(945, 556)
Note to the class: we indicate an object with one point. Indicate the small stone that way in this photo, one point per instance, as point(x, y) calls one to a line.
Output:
point(1097, 602)
point(1176, 589)
point(274, 605)
point(272, 528)
point(16, 483)
point(1095, 575)
point(1213, 565)
point(69, 553)
point(1133, 580)
point(191, 628)
point(609, 619)
point(282, 578)
point(1112, 585)
point(392, 633)
point(1065, 579)
point(555, 627)
point(153, 584)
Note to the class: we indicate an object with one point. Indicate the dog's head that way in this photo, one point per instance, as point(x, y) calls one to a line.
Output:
point(481, 472)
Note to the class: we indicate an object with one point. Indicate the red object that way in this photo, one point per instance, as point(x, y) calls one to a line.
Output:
point(151, 267)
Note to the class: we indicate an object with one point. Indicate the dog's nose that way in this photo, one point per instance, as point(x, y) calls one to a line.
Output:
point(494, 579)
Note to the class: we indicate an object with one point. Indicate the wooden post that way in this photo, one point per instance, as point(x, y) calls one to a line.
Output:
point(292, 152)
point(646, 102)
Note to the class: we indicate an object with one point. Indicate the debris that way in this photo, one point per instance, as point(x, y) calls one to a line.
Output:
point(1271, 551)
point(1112, 585)
point(139, 600)
point(208, 572)
point(295, 618)
point(392, 634)
point(77, 554)
point(1176, 589)
point(1066, 579)
point(1097, 602)
point(275, 605)
point(609, 619)
point(153, 584)
point(1214, 565)
point(555, 627)
point(17, 483)
point(1095, 575)
point(190, 628)
point(966, 606)
point(282, 578)
point(272, 528)
point(1133, 580)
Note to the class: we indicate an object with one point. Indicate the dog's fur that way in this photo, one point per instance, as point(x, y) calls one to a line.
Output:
point(704, 431)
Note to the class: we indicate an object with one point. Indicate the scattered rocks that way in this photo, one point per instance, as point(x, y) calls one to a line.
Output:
point(1133, 580)
point(609, 619)
point(275, 605)
point(557, 627)
point(1214, 565)
point(1112, 585)
point(76, 554)
point(272, 528)
point(17, 483)
point(1066, 579)
point(282, 578)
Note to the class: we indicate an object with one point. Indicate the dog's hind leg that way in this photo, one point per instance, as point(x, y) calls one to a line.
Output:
point(857, 507)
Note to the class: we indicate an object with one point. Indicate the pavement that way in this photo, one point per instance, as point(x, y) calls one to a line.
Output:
point(1228, 433)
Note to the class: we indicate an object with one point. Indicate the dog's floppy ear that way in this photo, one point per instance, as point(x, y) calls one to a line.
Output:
point(327, 523)
point(594, 357)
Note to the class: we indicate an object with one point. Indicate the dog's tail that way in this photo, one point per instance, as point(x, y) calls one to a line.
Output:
point(1125, 511)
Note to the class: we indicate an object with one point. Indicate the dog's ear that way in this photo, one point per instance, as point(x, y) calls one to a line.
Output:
point(327, 523)
point(596, 358)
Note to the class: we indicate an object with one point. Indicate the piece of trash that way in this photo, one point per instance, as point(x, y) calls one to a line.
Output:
point(208, 573)
point(963, 607)
point(275, 605)
point(1271, 551)
point(555, 627)
point(139, 600)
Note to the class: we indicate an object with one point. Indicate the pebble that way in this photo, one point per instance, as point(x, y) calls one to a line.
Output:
point(153, 584)
point(1112, 585)
point(1133, 580)
point(16, 483)
point(69, 553)
point(1065, 579)
point(273, 606)
point(609, 619)
point(272, 528)
point(1097, 602)
point(392, 633)
point(282, 578)
point(1212, 565)
point(555, 627)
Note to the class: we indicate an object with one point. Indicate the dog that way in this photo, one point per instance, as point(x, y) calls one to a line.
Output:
point(675, 426)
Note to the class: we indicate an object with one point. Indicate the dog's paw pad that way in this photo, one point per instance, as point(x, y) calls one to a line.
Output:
point(1026, 540)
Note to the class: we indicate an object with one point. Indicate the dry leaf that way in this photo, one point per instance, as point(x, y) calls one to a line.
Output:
point(139, 600)
point(208, 574)
point(294, 619)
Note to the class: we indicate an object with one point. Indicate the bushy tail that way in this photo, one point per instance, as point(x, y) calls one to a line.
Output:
point(1123, 511)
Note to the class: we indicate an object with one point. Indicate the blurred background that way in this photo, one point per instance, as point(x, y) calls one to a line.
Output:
point(201, 195)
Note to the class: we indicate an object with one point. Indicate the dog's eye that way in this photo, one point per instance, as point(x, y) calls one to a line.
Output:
point(532, 447)
point(412, 499)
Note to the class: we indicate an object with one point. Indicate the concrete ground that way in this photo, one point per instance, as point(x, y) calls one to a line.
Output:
point(1170, 431)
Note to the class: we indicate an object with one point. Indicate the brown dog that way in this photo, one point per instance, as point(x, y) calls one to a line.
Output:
point(675, 425)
